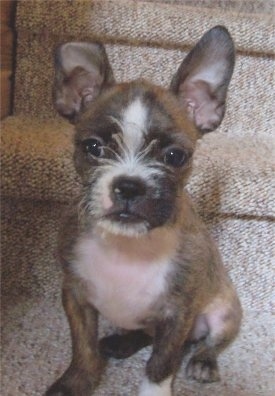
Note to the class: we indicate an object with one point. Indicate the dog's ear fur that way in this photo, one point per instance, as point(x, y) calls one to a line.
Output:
point(202, 79)
point(82, 71)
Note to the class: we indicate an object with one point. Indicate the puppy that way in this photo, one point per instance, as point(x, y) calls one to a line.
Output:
point(133, 249)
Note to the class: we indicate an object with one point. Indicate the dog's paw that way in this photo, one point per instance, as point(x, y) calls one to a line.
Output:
point(62, 389)
point(149, 388)
point(59, 389)
point(203, 370)
point(73, 383)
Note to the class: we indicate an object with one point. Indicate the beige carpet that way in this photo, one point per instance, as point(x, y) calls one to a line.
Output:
point(246, 6)
point(233, 183)
point(35, 339)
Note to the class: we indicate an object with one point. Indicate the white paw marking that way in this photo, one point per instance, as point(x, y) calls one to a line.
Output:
point(151, 389)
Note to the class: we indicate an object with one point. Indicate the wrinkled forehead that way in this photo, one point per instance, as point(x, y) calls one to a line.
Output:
point(140, 114)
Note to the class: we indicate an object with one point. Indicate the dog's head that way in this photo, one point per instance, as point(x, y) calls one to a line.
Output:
point(134, 141)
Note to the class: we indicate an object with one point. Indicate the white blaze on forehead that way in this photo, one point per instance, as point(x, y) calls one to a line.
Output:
point(134, 120)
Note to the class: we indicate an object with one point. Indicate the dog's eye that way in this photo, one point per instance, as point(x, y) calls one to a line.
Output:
point(175, 157)
point(93, 147)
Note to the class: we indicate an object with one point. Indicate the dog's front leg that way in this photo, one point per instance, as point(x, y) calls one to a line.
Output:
point(86, 366)
point(166, 357)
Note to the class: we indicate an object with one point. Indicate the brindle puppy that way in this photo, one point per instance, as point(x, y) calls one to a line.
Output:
point(133, 249)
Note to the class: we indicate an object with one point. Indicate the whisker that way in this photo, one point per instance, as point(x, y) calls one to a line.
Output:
point(145, 151)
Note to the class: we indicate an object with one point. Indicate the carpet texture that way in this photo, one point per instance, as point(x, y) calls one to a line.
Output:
point(232, 184)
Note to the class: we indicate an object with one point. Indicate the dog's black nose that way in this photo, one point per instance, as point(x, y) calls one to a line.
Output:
point(127, 188)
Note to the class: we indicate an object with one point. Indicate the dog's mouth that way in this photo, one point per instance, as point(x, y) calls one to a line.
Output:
point(126, 223)
point(125, 216)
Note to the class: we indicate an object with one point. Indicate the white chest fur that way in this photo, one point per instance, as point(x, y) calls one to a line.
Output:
point(124, 277)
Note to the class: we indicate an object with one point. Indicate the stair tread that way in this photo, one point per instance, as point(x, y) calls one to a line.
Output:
point(232, 174)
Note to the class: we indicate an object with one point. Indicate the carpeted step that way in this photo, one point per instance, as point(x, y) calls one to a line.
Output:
point(232, 184)
point(36, 346)
point(35, 336)
point(233, 175)
point(145, 40)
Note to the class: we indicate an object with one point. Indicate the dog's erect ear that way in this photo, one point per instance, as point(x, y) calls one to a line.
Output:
point(82, 71)
point(202, 79)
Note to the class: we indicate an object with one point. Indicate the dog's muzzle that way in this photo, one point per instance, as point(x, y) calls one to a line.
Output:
point(128, 195)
